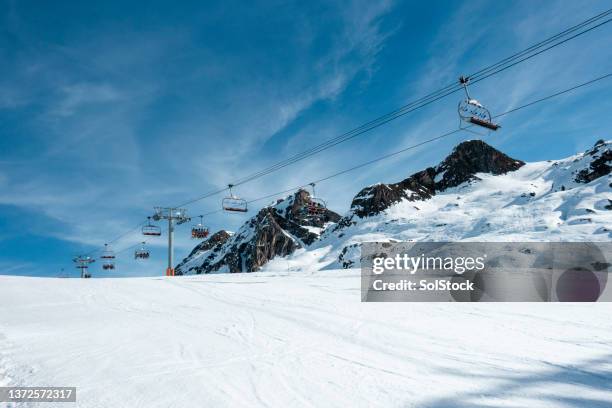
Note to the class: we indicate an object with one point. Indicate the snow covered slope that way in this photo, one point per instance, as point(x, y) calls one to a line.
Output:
point(295, 340)
point(477, 193)
point(561, 200)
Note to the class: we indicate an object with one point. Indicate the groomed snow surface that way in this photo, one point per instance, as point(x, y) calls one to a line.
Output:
point(295, 340)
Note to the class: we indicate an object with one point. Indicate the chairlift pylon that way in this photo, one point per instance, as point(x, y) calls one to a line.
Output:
point(473, 112)
point(199, 230)
point(142, 252)
point(233, 203)
point(150, 229)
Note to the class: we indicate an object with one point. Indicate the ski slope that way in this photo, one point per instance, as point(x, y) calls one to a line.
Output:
point(295, 340)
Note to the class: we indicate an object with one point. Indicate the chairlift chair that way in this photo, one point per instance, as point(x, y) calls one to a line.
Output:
point(108, 256)
point(234, 203)
point(142, 253)
point(473, 112)
point(199, 231)
point(82, 263)
point(150, 229)
point(107, 253)
point(315, 207)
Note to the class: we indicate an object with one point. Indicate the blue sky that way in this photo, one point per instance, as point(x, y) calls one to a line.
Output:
point(108, 108)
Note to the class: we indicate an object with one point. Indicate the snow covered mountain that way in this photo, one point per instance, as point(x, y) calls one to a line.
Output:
point(477, 193)
point(276, 230)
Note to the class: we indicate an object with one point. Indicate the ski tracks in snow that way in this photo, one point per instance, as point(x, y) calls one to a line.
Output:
point(301, 339)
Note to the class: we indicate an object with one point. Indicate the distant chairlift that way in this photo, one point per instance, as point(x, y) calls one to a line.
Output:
point(199, 231)
point(83, 265)
point(473, 112)
point(150, 229)
point(108, 258)
point(234, 203)
point(142, 253)
point(315, 207)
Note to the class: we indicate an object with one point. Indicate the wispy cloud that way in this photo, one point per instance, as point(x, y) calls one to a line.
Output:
point(104, 122)
point(80, 95)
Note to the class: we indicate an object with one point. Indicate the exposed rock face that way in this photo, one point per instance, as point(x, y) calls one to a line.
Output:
point(210, 247)
point(279, 229)
point(601, 164)
point(467, 159)
point(215, 239)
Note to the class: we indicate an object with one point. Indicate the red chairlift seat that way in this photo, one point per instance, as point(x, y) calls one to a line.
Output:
point(484, 123)
point(199, 233)
point(315, 207)
point(199, 230)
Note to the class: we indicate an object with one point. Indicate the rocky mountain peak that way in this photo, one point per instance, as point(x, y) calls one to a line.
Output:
point(466, 159)
point(471, 157)
point(601, 162)
point(276, 230)
point(283, 226)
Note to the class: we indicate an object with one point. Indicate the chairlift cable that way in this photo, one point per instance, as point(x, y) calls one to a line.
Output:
point(478, 76)
point(414, 146)
point(445, 91)
point(411, 147)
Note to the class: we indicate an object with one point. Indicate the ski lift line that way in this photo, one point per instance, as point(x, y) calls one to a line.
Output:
point(554, 95)
point(115, 239)
point(411, 147)
point(544, 42)
point(444, 135)
point(446, 91)
point(481, 72)
point(543, 50)
point(134, 246)
point(403, 111)
point(477, 76)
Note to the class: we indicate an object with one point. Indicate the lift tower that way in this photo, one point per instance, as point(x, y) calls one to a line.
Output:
point(175, 216)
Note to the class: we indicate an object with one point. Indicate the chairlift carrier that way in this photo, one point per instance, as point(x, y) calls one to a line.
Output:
point(234, 203)
point(473, 112)
point(142, 253)
point(107, 253)
point(315, 206)
point(150, 229)
point(199, 230)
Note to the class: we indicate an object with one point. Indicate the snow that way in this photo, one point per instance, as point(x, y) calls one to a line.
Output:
point(541, 201)
point(282, 339)
point(538, 202)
